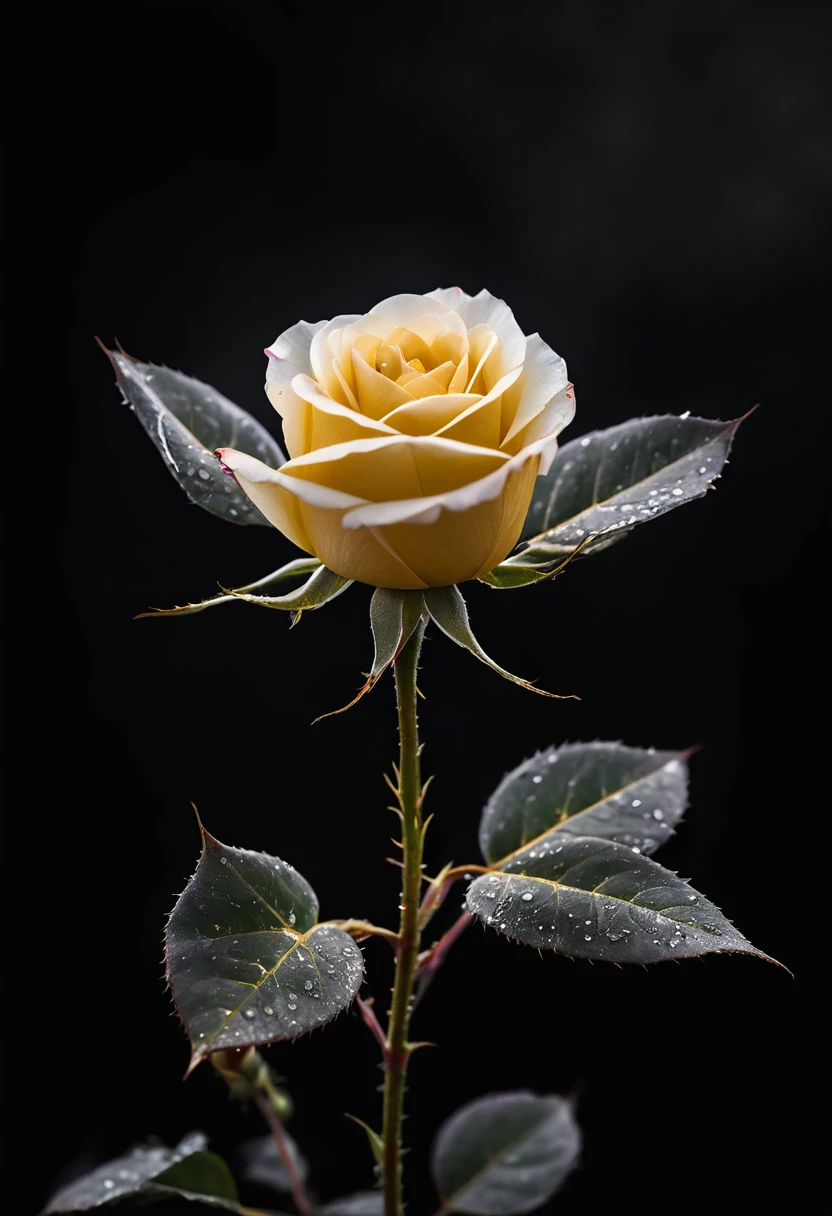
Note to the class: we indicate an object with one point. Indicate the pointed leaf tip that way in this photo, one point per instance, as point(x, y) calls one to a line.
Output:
point(186, 420)
point(604, 484)
point(448, 610)
point(293, 569)
point(597, 899)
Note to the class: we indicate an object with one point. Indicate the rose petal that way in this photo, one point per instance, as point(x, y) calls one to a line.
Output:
point(431, 414)
point(427, 508)
point(551, 420)
point(391, 469)
point(319, 421)
point(408, 307)
point(377, 394)
point(321, 354)
point(544, 376)
point(487, 309)
point(281, 508)
point(288, 356)
point(429, 383)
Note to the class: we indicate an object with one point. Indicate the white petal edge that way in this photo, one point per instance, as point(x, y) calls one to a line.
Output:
point(408, 307)
point(319, 496)
point(544, 376)
point(553, 417)
point(484, 308)
point(289, 354)
point(452, 297)
point(428, 510)
point(320, 356)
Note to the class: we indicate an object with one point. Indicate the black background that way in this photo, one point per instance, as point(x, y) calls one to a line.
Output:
point(642, 183)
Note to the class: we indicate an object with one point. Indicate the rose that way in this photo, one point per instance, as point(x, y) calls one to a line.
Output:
point(415, 435)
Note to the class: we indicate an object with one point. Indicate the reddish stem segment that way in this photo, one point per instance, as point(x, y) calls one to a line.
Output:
point(276, 1128)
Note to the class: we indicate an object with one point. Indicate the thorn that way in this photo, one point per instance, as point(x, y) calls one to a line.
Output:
point(198, 820)
point(391, 785)
point(332, 712)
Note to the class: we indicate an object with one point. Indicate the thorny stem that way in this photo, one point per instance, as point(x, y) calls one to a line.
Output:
point(276, 1128)
point(397, 1047)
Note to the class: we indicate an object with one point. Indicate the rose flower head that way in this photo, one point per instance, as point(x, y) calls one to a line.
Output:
point(415, 434)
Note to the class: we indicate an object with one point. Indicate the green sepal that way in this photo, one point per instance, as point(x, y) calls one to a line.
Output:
point(394, 616)
point(301, 565)
point(447, 609)
point(323, 586)
point(521, 571)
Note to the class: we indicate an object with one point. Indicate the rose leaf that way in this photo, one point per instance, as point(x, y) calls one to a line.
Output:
point(186, 420)
point(597, 899)
point(152, 1171)
point(263, 1165)
point(604, 484)
point(505, 1154)
point(586, 789)
point(246, 960)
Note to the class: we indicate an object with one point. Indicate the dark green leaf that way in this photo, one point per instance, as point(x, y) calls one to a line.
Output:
point(447, 608)
point(187, 420)
point(592, 898)
point(203, 1176)
point(246, 961)
point(589, 789)
point(153, 1171)
point(322, 587)
point(362, 1203)
point(608, 482)
point(301, 565)
point(263, 1165)
point(505, 1154)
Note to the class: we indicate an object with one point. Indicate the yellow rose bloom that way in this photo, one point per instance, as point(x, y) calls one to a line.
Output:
point(415, 434)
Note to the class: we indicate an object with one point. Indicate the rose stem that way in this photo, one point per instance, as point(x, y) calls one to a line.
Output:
point(397, 1050)
point(276, 1128)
